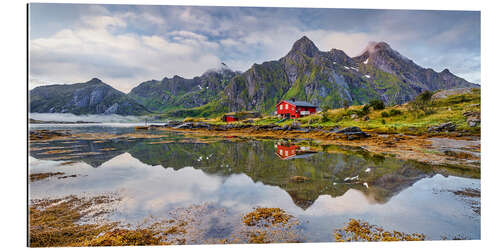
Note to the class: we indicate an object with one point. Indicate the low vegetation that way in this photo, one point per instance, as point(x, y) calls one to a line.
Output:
point(266, 215)
point(357, 230)
point(413, 118)
point(41, 176)
point(72, 221)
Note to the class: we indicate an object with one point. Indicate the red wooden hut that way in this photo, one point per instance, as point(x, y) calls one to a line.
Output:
point(229, 118)
point(295, 109)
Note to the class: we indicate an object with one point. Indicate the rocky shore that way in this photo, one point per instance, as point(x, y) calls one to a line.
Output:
point(460, 151)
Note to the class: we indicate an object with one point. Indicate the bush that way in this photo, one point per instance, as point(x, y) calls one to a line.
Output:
point(377, 104)
point(324, 117)
point(383, 121)
point(425, 96)
point(394, 112)
point(346, 104)
point(325, 108)
point(385, 114)
point(422, 102)
point(366, 109)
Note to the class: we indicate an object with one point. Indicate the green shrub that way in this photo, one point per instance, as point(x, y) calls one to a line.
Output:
point(383, 121)
point(346, 104)
point(394, 112)
point(324, 118)
point(385, 114)
point(366, 109)
point(425, 96)
point(377, 104)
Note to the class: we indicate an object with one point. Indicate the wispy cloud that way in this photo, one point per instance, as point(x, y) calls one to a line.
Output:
point(125, 45)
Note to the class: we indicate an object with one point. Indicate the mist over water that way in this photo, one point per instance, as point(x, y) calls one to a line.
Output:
point(68, 117)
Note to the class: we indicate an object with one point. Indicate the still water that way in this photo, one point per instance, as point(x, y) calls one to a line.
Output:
point(155, 176)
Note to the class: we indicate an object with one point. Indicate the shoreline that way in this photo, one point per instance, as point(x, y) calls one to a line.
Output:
point(426, 149)
point(461, 152)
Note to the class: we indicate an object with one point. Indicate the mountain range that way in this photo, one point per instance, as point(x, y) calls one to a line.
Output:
point(324, 78)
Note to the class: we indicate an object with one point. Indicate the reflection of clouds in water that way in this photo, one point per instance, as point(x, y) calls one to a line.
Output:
point(412, 210)
point(240, 193)
point(156, 190)
point(353, 202)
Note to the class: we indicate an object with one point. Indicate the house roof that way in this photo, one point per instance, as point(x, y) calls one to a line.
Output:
point(300, 103)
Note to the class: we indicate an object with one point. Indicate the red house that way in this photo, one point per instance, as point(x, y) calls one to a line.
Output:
point(295, 109)
point(229, 118)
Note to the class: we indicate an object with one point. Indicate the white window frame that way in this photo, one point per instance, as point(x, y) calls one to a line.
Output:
point(286, 106)
point(281, 106)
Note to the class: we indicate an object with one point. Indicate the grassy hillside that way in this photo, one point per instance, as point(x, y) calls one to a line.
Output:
point(411, 118)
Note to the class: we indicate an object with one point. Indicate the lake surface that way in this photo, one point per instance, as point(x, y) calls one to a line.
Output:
point(156, 176)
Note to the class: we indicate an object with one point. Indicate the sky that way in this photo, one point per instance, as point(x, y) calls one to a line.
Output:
point(124, 45)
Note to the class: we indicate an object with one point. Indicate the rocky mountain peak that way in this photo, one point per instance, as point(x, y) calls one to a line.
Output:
point(95, 80)
point(446, 71)
point(305, 46)
point(374, 47)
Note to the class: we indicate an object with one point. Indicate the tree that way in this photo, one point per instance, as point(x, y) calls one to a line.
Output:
point(346, 104)
point(377, 104)
point(324, 107)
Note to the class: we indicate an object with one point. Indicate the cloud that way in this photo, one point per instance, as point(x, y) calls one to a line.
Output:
point(100, 47)
point(125, 45)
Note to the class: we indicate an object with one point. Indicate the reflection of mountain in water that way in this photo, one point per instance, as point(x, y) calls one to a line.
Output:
point(333, 173)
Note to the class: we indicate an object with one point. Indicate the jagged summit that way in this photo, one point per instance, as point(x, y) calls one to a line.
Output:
point(445, 71)
point(305, 46)
point(221, 69)
point(95, 80)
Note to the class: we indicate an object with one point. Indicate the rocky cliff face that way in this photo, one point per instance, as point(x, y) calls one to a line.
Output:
point(92, 97)
point(330, 78)
point(178, 92)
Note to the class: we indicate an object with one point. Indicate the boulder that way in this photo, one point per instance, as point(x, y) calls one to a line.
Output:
point(299, 178)
point(348, 130)
point(352, 133)
point(295, 125)
point(172, 123)
point(444, 127)
point(473, 122)
point(186, 125)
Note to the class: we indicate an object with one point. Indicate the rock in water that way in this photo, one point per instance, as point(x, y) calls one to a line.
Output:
point(299, 178)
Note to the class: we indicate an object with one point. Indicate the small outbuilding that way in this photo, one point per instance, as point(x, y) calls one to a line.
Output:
point(229, 118)
point(242, 115)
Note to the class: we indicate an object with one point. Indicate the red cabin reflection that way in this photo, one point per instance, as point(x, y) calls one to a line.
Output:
point(290, 151)
point(285, 152)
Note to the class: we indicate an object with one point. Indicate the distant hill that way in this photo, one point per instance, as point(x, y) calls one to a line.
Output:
point(92, 97)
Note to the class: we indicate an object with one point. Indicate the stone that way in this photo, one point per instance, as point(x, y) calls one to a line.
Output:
point(348, 130)
point(186, 125)
point(473, 122)
point(444, 127)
